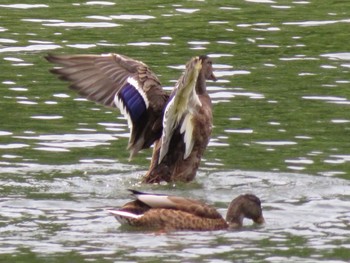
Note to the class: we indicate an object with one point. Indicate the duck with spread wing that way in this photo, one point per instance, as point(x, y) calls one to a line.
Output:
point(178, 124)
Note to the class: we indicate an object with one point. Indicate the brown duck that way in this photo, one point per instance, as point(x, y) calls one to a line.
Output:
point(167, 213)
point(178, 124)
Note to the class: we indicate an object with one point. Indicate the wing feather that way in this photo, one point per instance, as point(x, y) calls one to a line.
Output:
point(101, 78)
point(187, 130)
point(195, 207)
point(179, 110)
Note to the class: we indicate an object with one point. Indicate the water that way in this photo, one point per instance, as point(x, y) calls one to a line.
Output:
point(281, 129)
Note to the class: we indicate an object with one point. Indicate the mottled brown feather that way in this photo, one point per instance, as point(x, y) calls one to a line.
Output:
point(169, 220)
point(189, 214)
point(174, 167)
point(99, 78)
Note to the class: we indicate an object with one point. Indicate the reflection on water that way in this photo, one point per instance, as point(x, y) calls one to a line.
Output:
point(280, 108)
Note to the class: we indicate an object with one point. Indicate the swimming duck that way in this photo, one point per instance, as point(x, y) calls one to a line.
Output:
point(168, 213)
point(178, 124)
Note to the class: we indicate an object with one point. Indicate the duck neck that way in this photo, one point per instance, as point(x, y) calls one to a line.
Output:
point(201, 86)
point(234, 216)
point(235, 221)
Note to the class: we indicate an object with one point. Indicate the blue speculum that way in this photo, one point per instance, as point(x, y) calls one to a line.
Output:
point(133, 101)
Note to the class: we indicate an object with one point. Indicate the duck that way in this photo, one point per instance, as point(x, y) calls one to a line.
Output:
point(177, 124)
point(167, 213)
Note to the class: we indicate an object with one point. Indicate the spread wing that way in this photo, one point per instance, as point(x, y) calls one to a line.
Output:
point(118, 81)
point(181, 108)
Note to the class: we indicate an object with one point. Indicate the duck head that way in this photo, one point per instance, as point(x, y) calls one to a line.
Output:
point(207, 68)
point(244, 206)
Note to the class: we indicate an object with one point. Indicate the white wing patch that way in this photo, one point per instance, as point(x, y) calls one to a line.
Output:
point(156, 201)
point(180, 108)
point(169, 124)
point(187, 130)
point(120, 104)
point(136, 84)
point(124, 217)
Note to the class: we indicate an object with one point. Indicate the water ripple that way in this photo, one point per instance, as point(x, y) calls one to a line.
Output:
point(62, 143)
point(25, 6)
point(146, 44)
point(47, 117)
point(7, 41)
point(82, 24)
point(106, 3)
point(325, 98)
point(13, 146)
point(336, 56)
point(187, 10)
point(39, 47)
point(276, 143)
point(131, 17)
point(316, 23)
point(5, 133)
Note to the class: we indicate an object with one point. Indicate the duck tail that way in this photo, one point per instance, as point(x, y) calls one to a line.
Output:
point(124, 217)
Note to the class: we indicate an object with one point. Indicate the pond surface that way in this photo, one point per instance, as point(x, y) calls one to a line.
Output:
point(281, 116)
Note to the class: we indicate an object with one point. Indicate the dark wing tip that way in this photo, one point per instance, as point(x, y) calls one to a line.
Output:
point(54, 71)
point(135, 192)
point(47, 57)
point(51, 58)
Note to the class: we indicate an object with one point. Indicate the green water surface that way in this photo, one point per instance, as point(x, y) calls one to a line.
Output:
point(281, 128)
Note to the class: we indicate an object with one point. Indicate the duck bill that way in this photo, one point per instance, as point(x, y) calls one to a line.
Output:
point(212, 77)
point(260, 220)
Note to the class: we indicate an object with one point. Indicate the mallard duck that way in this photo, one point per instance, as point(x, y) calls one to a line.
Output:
point(178, 124)
point(167, 213)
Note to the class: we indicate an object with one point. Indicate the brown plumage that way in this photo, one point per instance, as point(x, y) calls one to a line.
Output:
point(179, 124)
point(100, 77)
point(162, 212)
point(173, 167)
